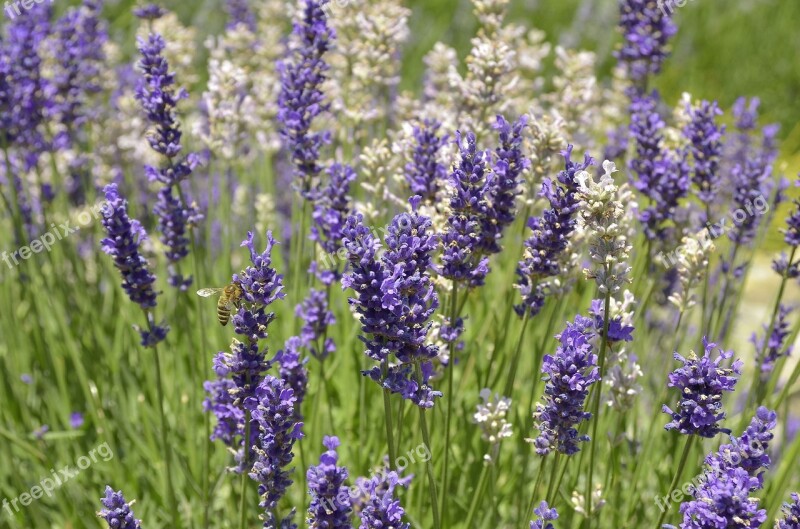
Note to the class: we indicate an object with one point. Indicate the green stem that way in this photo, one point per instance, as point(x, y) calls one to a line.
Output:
point(477, 496)
point(428, 465)
point(684, 457)
point(512, 373)
point(553, 479)
point(450, 398)
point(387, 413)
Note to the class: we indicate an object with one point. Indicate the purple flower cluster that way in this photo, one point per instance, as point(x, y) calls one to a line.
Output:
point(301, 98)
point(381, 508)
point(791, 514)
point(550, 236)
point(395, 299)
point(23, 100)
point(292, 370)
point(546, 515)
point(240, 371)
point(646, 29)
point(316, 318)
point(661, 175)
point(330, 498)
point(331, 209)
point(792, 232)
point(149, 12)
point(618, 330)
point(273, 410)
point(117, 512)
point(424, 174)
point(157, 96)
point(701, 382)
point(462, 260)
point(776, 345)
point(568, 373)
point(705, 136)
point(504, 186)
point(122, 243)
point(239, 12)
point(723, 500)
point(749, 451)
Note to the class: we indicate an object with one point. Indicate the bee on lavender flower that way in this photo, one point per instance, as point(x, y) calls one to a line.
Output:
point(229, 297)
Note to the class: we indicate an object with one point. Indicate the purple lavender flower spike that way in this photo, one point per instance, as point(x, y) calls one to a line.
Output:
point(705, 136)
point(158, 97)
point(239, 12)
point(122, 243)
point(395, 300)
point(316, 320)
point(330, 497)
point(117, 512)
point(424, 174)
point(776, 346)
point(662, 175)
point(220, 402)
point(546, 515)
point(618, 331)
point(505, 185)
point(301, 98)
point(792, 232)
point(748, 452)
point(381, 508)
point(701, 382)
point(278, 430)
point(331, 208)
point(261, 283)
point(462, 260)
point(791, 514)
point(752, 185)
point(646, 27)
point(149, 12)
point(550, 235)
point(723, 500)
point(568, 374)
point(293, 371)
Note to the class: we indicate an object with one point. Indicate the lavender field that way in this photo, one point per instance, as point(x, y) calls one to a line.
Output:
point(395, 264)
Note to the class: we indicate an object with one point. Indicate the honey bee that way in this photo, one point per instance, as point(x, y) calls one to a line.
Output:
point(229, 297)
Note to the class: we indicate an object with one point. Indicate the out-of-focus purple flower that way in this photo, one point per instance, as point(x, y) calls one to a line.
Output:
point(462, 260)
point(330, 498)
point(301, 98)
point(331, 209)
point(292, 370)
point(550, 236)
point(723, 500)
point(381, 508)
point(278, 430)
point(395, 300)
point(26, 378)
point(239, 12)
point(158, 97)
point(424, 174)
point(776, 345)
point(701, 382)
point(791, 514)
point(792, 232)
point(149, 12)
point(617, 143)
point(568, 373)
point(705, 136)
point(546, 515)
point(76, 420)
point(40, 431)
point(661, 175)
point(23, 98)
point(752, 184)
point(749, 451)
point(504, 186)
point(782, 266)
point(646, 27)
point(316, 319)
point(117, 512)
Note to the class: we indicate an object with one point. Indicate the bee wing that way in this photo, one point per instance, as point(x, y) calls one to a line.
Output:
point(206, 292)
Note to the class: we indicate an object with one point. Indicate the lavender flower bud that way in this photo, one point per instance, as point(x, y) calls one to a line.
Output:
point(330, 498)
point(545, 514)
point(791, 514)
point(117, 512)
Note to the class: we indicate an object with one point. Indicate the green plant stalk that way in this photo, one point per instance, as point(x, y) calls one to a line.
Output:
point(687, 448)
point(170, 490)
point(778, 485)
point(387, 414)
point(428, 465)
point(553, 478)
point(596, 404)
point(450, 398)
point(477, 496)
point(512, 373)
